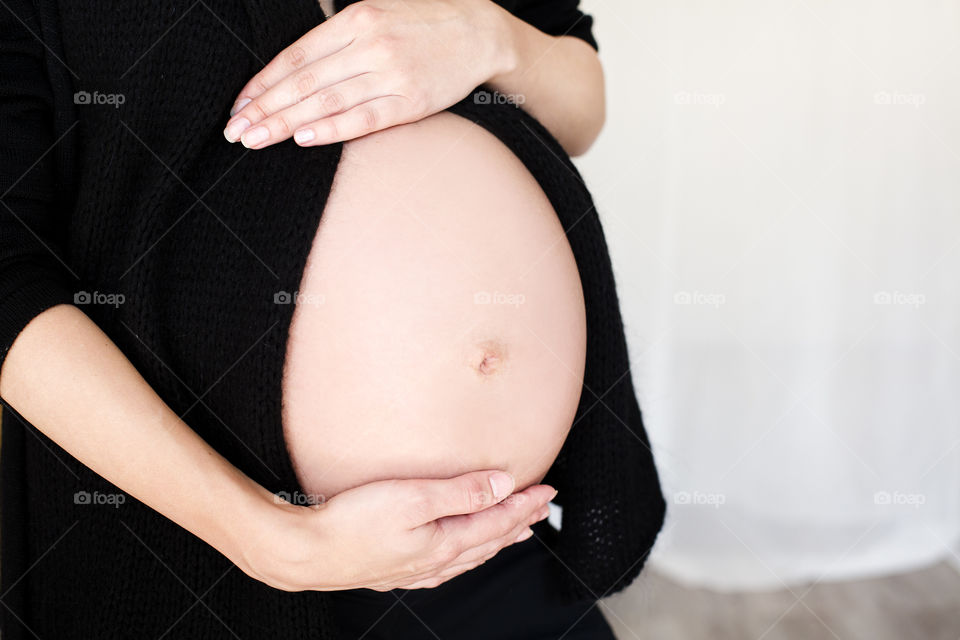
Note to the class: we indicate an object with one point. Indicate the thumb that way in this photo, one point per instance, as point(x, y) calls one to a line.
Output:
point(467, 493)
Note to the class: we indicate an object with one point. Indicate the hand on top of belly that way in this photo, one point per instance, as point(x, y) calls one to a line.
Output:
point(390, 534)
point(373, 65)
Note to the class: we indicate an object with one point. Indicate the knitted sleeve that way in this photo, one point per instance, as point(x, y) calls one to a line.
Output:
point(554, 17)
point(33, 274)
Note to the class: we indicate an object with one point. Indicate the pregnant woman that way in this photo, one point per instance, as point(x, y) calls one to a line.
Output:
point(309, 387)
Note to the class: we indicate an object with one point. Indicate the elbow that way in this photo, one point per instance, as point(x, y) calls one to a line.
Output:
point(586, 136)
point(593, 117)
point(578, 149)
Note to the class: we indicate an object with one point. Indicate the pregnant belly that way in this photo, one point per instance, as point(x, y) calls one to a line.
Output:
point(439, 325)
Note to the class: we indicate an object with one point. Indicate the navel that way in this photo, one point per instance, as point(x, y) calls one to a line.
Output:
point(488, 357)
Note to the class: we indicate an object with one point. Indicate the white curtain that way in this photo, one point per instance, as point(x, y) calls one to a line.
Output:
point(780, 186)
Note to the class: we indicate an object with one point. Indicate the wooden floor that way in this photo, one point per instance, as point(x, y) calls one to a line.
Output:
point(920, 605)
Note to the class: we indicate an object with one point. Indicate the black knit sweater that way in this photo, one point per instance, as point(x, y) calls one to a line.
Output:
point(147, 201)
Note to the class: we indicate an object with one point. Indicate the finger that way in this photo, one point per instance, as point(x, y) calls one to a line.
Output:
point(298, 86)
point(323, 40)
point(430, 579)
point(489, 549)
point(466, 493)
point(442, 567)
point(463, 567)
point(364, 118)
point(429, 583)
point(472, 530)
point(469, 552)
point(477, 555)
point(287, 122)
point(437, 578)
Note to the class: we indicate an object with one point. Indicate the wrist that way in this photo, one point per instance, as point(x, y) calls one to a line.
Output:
point(502, 36)
point(239, 518)
point(273, 541)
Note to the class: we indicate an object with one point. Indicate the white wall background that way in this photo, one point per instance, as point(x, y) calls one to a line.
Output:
point(783, 163)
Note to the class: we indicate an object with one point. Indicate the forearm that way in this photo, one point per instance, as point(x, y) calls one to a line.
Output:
point(559, 80)
point(66, 377)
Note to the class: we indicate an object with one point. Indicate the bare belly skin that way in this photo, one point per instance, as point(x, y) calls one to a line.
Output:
point(439, 325)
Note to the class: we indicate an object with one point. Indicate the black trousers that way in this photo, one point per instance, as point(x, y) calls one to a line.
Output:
point(512, 596)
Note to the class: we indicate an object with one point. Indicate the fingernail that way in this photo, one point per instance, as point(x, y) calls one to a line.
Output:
point(304, 135)
point(555, 492)
point(524, 535)
point(235, 128)
point(501, 483)
point(254, 136)
point(240, 104)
